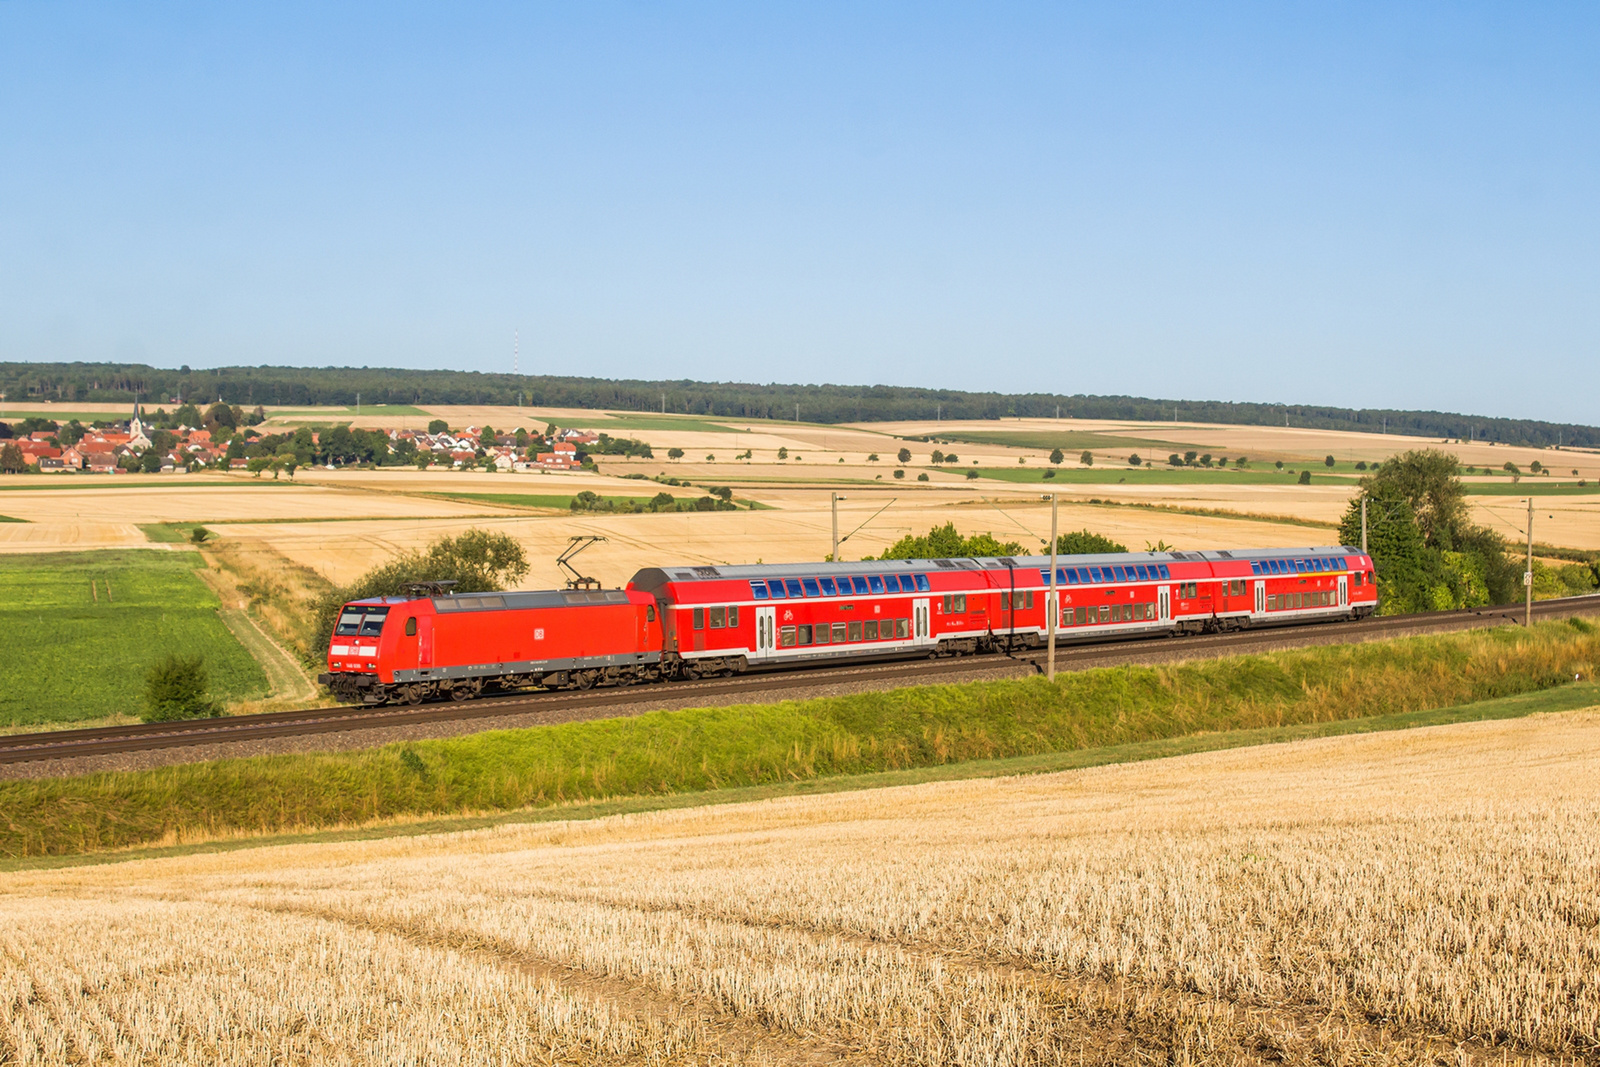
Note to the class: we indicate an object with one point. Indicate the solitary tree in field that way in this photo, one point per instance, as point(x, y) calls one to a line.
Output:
point(872, 457)
point(1134, 460)
point(674, 453)
point(1305, 478)
point(899, 472)
point(175, 688)
point(971, 474)
point(438, 426)
point(1056, 455)
point(904, 455)
point(1175, 460)
point(783, 453)
point(1328, 462)
point(1086, 458)
point(937, 457)
point(1280, 464)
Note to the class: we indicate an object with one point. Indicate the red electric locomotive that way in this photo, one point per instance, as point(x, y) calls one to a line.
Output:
point(410, 650)
point(697, 620)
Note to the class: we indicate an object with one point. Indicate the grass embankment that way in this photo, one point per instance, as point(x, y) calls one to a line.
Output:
point(81, 629)
point(665, 753)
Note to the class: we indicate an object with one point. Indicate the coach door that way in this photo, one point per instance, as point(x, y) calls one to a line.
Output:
point(766, 632)
point(1164, 602)
point(919, 620)
point(1344, 590)
point(1261, 596)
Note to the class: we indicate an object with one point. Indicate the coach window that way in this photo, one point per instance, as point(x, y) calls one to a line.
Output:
point(758, 590)
point(922, 584)
point(786, 637)
point(860, 584)
point(854, 633)
point(902, 627)
point(719, 618)
point(777, 589)
point(822, 633)
point(811, 587)
point(1079, 616)
point(1105, 612)
point(828, 588)
point(793, 585)
point(411, 626)
point(838, 633)
point(733, 616)
point(699, 618)
point(872, 630)
point(805, 635)
point(875, 583)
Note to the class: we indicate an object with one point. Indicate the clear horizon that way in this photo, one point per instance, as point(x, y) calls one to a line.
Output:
point(1366, 207)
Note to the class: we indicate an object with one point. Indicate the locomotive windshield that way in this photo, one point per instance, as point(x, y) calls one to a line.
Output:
point(361, 620)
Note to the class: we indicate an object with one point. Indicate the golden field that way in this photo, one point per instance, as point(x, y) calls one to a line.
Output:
point(341, 522)
point(1415, 897)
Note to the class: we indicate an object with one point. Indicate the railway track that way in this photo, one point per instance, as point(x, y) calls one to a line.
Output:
point(63, 744)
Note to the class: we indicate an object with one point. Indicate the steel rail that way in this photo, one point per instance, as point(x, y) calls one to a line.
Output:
point(63, 744)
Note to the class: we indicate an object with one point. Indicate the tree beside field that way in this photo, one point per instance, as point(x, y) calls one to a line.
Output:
point(177, 687)
point(1429, 554)
point(478, 561)
point(946, 542)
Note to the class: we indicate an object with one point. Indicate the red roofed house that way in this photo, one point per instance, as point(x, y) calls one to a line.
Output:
point(560, 461)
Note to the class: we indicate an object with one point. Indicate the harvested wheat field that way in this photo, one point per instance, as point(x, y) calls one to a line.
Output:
point(1416, 897)
point(798, 529)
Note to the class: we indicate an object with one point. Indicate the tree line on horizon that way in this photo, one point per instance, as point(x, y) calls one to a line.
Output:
point(342, 386)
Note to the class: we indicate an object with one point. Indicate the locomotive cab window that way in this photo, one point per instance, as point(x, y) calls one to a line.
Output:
point(411, 626)
point(361, 621)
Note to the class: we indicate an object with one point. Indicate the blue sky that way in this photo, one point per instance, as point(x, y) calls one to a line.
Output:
point(1386, 204)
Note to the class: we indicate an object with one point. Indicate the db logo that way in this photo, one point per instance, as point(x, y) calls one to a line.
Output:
point(538, 634)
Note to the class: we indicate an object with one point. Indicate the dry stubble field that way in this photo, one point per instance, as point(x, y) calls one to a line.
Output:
point(1414, 897)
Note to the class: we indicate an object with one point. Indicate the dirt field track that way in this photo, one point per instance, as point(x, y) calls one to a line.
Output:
point(1418, 897)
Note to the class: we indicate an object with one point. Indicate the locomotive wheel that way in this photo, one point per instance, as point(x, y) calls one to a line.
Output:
point(584, 679)
point(461, 692)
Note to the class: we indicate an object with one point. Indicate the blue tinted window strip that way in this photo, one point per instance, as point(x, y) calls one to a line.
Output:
point(758, 590)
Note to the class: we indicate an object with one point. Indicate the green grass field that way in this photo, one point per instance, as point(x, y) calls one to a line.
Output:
point(12, 416)
point(562, 501)
point(367, 411)
point(8, 518)
point(75, 653)
point(1162, 475)
point(613, 422)
point(1530, 487)
point(1074, 441)
point(667, 753)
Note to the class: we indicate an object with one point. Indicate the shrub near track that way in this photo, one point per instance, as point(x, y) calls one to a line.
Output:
point(709, 748)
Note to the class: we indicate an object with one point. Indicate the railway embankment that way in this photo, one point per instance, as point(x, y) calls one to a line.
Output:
point(703, 750)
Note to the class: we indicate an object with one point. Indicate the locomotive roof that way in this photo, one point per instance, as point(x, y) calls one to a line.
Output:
point(540, 598)
point(652, 578)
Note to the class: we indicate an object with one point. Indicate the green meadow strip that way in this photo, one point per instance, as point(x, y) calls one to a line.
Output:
point(671, 753)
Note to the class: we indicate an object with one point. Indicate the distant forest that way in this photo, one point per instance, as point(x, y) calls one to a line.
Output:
point(315, 386)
